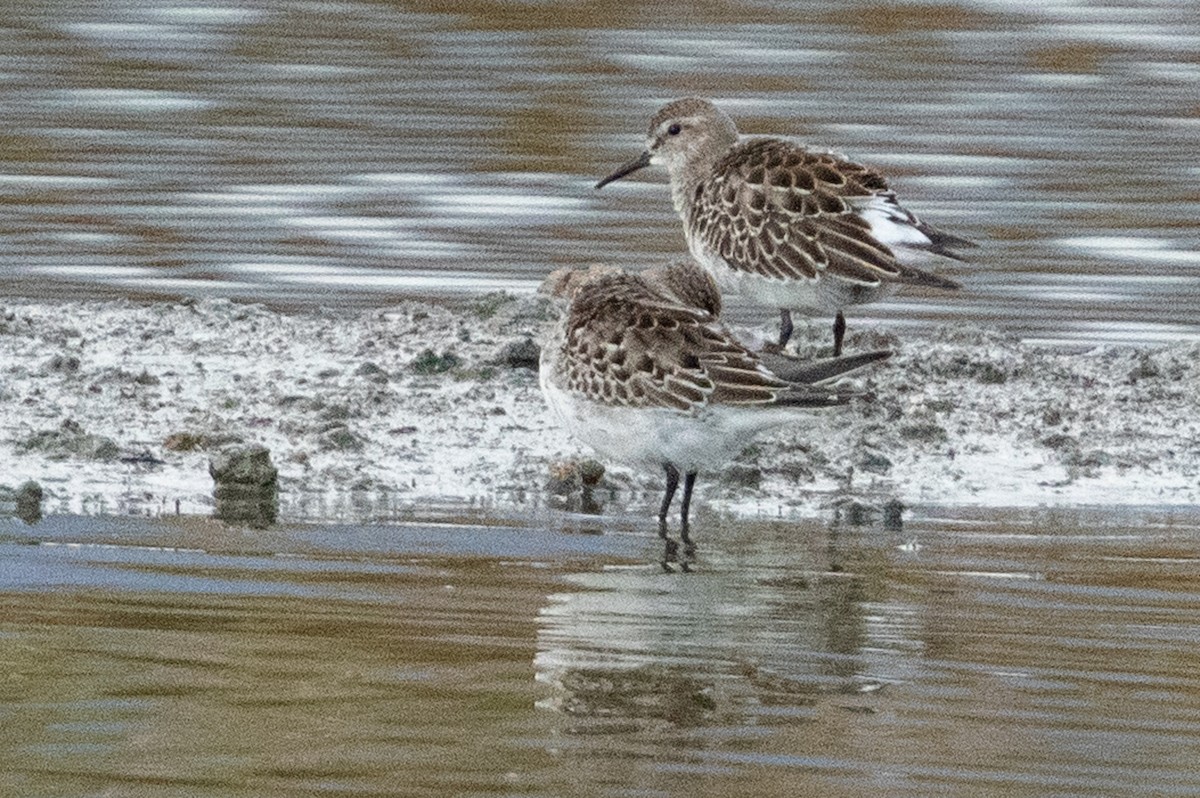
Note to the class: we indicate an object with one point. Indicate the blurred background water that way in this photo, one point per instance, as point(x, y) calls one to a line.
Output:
point(352, 154)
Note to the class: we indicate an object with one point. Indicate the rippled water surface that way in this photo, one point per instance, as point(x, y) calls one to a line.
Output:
point(350, 154)
point(1046, 654)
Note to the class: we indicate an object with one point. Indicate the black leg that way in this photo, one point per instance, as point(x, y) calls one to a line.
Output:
point(689, 482)
point(785, 327)
point(672, 484)
point(839, 332)
point(669, 546)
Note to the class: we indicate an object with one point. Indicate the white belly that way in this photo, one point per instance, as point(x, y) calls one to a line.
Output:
point(821, 294)
point(650, 437)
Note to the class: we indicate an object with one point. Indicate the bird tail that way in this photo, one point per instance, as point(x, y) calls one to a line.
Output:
point(810, 373)
point(810, 397)
point(909, 275)
point(945, 244)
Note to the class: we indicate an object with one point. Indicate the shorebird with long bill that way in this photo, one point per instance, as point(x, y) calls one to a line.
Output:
point(784, 225)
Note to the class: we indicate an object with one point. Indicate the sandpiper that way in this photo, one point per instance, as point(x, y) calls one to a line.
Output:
point(641, 369)
point(784, 225)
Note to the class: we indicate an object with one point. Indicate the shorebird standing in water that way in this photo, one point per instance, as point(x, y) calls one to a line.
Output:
point(641, 369)
point(786, 226)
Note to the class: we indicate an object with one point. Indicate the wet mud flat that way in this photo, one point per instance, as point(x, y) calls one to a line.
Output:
point(120, 407)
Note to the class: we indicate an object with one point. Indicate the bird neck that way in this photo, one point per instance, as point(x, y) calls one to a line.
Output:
point(695, 167)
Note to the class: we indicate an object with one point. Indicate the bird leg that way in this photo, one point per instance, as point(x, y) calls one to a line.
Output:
point(689, 481)
point(839, 332)
point(672, 484)
point(785, 327)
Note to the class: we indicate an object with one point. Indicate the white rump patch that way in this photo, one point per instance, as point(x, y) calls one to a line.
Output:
point(891, 223)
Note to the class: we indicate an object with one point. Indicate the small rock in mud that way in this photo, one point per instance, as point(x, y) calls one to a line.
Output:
point(563, 478)
point(854, 512)
point(182, 442)
point(893, 514)
point(334, 412)
point(486, 306)
point(26, 501)
point(337, 437)
point(246, 466)
point(1089, 459)
point(246, 489)
point(590, 472)
point(1145, 369)
point(69, 440)
point(255, 509)
point(372, 372)
point(1060, 441)
point(965, 366)
point(193, 441)
point(568, 476)
point(62, 364)
point(990, 374)
point(520, 354)
point(927, 432)
point(874, 463)
point(742, 475)
point(429, 362)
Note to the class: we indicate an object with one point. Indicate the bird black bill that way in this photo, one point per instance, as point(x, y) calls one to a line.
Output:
point(641, 162)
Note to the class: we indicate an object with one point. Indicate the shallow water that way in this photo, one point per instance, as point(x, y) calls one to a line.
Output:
point(352, 154)
point(971, 653)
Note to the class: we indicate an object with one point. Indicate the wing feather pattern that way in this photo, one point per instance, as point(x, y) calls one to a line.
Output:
point(629, 343)
point(780, 211)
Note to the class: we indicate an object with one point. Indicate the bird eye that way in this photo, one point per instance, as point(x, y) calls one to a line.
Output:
point(674, 129)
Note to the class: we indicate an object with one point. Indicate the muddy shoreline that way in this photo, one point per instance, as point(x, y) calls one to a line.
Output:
point(118, 407)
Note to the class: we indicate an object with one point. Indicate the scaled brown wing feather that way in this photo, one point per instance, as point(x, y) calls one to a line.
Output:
point(777, 210)
point(629, 345)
